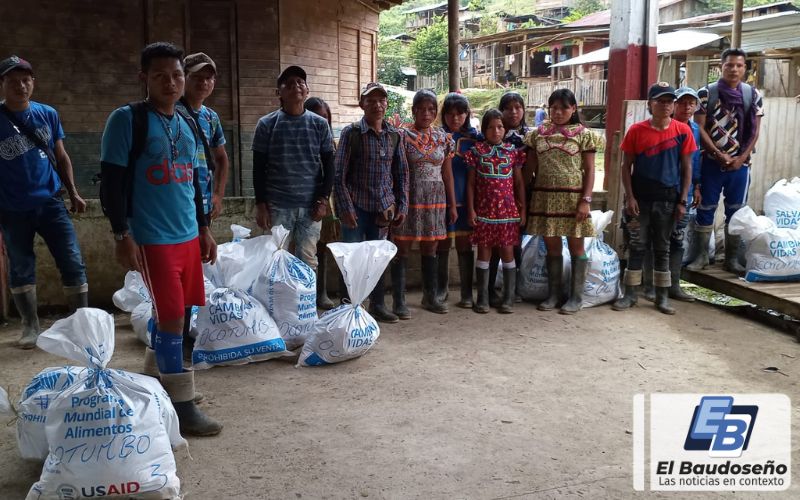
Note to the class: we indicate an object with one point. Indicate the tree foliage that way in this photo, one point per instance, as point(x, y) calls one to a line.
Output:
point(429, 50)
point(392, 56)
point(583, 8)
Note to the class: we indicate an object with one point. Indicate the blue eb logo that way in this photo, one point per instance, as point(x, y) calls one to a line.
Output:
point(720, 427)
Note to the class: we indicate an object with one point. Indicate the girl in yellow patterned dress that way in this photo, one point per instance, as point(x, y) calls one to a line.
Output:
point(561, 161)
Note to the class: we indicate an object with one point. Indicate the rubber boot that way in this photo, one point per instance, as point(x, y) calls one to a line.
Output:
point(632, 281)
point(648, 292)
point(494, 297)
point(675, 290)
point(429, 278)
point(465, 268)
point(555, 270)
point(25, 300)
point(732, 245)
point(518, 263)
point(482, 303)
point(509, 291)
point(150, 367)
point(193, 422)
point(323, 301)
point(77, 297)
point(377, 305)
point(399, 268)
point(702, 237)
point(442, 276)
point(663, 281)
point(580, 267)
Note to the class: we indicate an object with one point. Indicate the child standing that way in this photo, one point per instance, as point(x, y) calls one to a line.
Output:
point(456, 116)
point(561, 161)
point(495, 199)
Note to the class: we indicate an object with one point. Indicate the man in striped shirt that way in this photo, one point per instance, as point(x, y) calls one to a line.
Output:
point(371, 183)
point(729, 118)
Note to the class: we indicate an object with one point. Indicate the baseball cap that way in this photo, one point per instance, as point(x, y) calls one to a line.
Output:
point(14, 62)
point(373, 87)
point(682, 91)
point(198, 61)
point(660, 89)
point(292, 71)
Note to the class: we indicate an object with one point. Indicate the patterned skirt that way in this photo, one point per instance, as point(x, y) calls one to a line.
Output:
point(495, 234)
point(552, 213)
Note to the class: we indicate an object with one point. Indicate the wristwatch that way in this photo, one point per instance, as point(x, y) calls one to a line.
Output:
point(587, 199)
point(120, 236)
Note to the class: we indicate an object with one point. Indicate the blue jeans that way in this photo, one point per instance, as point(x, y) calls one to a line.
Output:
point(53, 224)
point(303, 231)
point(366, 230)
point(734, 184)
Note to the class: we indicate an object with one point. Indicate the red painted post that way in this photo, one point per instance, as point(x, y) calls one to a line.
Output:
point(632, 64)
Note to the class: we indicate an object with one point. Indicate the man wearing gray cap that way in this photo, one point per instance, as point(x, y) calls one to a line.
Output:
point(35, 167)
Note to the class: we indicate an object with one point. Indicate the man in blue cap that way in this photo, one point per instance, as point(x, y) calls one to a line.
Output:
point(35, 169)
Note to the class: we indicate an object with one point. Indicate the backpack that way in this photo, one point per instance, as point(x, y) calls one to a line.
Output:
point(354, 142)
point(139, 130)
point(713, 96)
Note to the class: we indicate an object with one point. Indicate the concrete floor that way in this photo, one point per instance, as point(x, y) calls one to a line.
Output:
point(530, 405)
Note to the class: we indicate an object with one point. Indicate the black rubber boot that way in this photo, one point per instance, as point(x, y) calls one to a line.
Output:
point(442, 276)
point(733, 244)
point(518, 263)
point(25, 300)
point(323, 301)
point(77, 297)
point(702, 237)
point(663, 281)
point(482, 304)
point(193, 422)
point(555, 270)
point(675, 290)
point(509, 291)
point(399, 268)
point(633, 279)
point(377, 305)
point(429, 278)
point(580, 267)
point(465, 268)
point(648, 292)
point(494, 297)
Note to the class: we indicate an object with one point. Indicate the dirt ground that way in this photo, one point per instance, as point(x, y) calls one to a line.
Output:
point(530, 405)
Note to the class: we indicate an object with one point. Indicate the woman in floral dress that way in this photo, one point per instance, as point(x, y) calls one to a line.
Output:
point(431, 203)
point(562, 163)
point(495, 204)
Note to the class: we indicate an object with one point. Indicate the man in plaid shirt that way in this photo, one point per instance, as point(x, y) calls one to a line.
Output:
point(371, 183)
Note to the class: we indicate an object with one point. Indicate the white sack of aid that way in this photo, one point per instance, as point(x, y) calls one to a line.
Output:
point(782, 203)
point(288, 289)
point(773, 253)
point(532, 278)
point(234, 327)
point(348, 331)
point(134, 298)
point(602, 281)
point(99, 431)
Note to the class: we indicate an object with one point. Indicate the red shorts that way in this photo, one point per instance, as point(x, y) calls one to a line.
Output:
point(174, 276)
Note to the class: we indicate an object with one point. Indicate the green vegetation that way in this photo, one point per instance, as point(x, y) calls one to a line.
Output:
point(583, 8)
point(392, 57)
point(429, 51)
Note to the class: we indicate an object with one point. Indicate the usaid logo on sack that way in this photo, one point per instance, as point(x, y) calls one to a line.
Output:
point(701, 442)
point(721, 428)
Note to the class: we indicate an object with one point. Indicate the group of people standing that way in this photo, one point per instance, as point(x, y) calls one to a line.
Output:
point(164, 170)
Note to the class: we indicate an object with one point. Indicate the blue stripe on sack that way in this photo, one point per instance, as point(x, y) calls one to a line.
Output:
point(315, 360)
point(753, 276)
point(237, 353)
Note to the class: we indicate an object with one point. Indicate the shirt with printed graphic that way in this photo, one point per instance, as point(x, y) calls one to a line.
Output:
point(722, 125)
point(28, 178)
point(163, 211)
point(657, 153)
point(211, 126)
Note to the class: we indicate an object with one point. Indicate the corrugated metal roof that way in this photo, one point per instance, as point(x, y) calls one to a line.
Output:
point(773, 31)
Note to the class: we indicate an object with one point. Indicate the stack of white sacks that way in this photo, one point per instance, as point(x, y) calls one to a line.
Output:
point(261, 303)
point(773, 240)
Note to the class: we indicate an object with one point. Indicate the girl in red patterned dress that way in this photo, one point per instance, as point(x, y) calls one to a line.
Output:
point(495, 204)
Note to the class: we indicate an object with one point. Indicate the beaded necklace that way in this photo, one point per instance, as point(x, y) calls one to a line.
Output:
point(173, 142)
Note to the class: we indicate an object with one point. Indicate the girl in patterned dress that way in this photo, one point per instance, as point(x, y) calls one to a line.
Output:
point(330, 224)
point(456, 116)
point(495, 202)
point(431, 203)
point(561, 160)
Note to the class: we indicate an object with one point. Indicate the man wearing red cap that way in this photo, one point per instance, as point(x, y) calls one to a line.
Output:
point(35, 168)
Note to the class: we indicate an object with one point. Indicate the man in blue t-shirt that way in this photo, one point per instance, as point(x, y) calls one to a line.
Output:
point(201, 76)
point(157, 217)
point(35, 167)
point(293, 166)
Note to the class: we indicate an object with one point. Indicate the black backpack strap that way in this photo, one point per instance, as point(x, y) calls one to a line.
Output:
point(139, 130)
point(31, 134)
point(199, 130)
